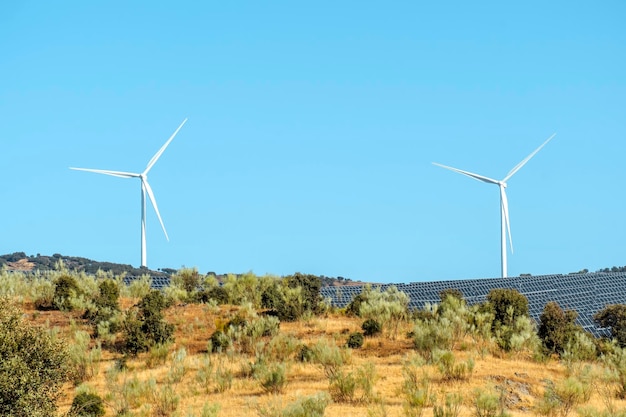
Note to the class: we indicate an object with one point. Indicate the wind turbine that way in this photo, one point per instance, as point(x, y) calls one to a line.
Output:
point(504, 204)
point(145, 188)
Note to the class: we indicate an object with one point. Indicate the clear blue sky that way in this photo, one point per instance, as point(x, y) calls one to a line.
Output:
point(311, 132)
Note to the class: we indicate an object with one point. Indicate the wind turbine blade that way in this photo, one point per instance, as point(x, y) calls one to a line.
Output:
point(525, 160)
point(154, 204)
point(160, 152)
point(505, 208)
point(469, 174)
point(120, 174)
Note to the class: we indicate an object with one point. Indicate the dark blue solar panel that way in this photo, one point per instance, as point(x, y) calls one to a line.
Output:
point(585, 293)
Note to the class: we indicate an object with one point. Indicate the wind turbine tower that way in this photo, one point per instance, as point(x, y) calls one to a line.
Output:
point(145, 189)
point(504, 204)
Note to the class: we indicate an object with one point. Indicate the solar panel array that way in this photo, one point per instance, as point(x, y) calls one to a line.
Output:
point(158, 283)
point(584, 293)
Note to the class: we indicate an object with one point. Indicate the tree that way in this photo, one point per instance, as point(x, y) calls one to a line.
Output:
point(311, 286)
point(65, 287)
point(614, 317)
point(33, 366)
point(507, 305)
point(145, 326)
point(557, 327)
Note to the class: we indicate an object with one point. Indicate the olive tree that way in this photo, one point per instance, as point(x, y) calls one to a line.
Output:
point(33, 366)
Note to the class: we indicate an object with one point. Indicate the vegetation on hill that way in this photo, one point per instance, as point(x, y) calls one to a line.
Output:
point(269, 346)
point(19, 261)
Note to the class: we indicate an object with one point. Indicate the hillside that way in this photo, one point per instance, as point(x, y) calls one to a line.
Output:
point(270, 347)
point(19, 261)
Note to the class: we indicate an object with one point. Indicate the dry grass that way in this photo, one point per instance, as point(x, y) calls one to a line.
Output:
point(518, 375)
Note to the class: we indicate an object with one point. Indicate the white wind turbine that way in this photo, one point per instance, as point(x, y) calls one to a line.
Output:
point(145, 188)
point(504, 204)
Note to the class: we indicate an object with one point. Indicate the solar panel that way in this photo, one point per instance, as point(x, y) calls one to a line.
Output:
point(584, 293)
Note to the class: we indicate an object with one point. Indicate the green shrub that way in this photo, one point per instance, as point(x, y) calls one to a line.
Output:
point(105, 306)
point(217, 294)
point(330, 357)
point(507, 305)
point(389, 307)
point(87, 404)
point(613, 317)
point(489, 404)
point(342, 386)
point(158, 354)
point(451, 370)
point(274, 379)
point(355, 340)
point(84, 361)
point(219, 342)
point(310, 286)
point(415, 389)
point(562, 397)
point(282, 346)
point(187, 279)
point(164, 399)
point(135, 340)
point(65, 288)
point(223, 378)
point(305, 354)
point(204, 376)
point(140, 287)
point(432, 334)
point(354, 307)
point(145, 325)
point(33, 366)
point(518, 335)
point(311, 406)
point(371, 327)
point(178, 368)
point(42, 292)
point(556, 327)
point(451, 406)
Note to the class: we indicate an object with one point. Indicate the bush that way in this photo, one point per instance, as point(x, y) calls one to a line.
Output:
point(187, 279)
point(33, 366)
point(450, 408)
point(342, 386)
point(106, 306)
point(310, 286)
point(330, 357)
point(311, 406)
point(371, 327)
point(354, 307)
point(389, 307)
point(415, 389)
point(489, 404)
point(614, 317)
point(87, 404)
point(274, 379)
point(65, 288)
point(217, 294)
point(219, 342)
point(507, 305)
point(355, 340)
point(451, 370)
point(557, 328)
point(305, 354)
point(432, 334)
point(146, 326)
